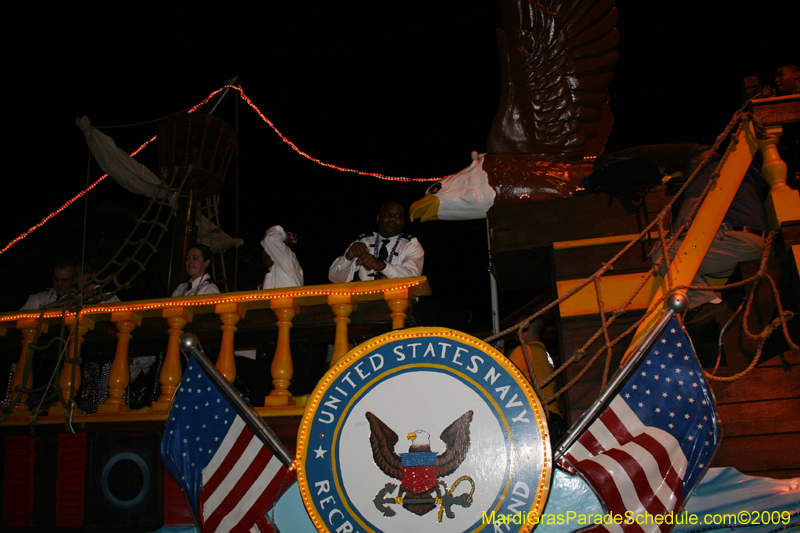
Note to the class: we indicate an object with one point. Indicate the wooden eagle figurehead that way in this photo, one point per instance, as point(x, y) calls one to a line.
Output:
point(554, 117)
point(420, 469)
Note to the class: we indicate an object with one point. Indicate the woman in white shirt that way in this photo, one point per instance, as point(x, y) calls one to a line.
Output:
point(198, 259)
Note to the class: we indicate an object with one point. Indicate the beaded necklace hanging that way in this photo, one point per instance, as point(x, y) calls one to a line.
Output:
point(199, 284)
point(7, 399)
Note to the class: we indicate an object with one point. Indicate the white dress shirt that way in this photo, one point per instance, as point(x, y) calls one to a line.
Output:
point(406, 257)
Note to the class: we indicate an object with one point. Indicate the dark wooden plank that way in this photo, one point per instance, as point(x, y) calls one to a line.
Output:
point(790, 357)
point(527, 310)
point(788, 360)
point(781, 110)
point(583, 262)
point(525, 233)
point(777, 474)
point(760, 418)
point(520, 226)
point(771, 383)
point(285, 428)
point(583, 394)
point(522, 269)
point(572, 335)
point(739, 348)
point(756, 453)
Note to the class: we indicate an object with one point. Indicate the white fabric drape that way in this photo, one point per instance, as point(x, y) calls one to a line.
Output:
point(137, 178)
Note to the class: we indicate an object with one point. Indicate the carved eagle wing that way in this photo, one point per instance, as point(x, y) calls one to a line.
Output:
point(456, 437)
point(556, 58)
point(383, 440)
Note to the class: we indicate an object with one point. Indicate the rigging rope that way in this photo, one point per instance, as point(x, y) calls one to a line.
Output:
point(192, 110)
point(607, 347)
point(74, 302)
point(667, 244)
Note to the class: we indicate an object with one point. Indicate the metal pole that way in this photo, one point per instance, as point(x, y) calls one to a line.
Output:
point(189, 342)
point(222, 96)
point(493, 289)
point(676, 303)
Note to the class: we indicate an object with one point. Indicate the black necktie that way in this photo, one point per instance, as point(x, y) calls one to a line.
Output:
point(382, 255)
point(384, 252)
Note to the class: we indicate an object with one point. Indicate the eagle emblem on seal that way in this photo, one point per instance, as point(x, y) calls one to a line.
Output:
point(420, 469)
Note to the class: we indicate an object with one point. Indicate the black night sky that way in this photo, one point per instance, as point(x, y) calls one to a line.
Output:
point(400, 88)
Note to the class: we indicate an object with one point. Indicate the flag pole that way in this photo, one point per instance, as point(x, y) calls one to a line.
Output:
point(190, 343)
point(676, 302)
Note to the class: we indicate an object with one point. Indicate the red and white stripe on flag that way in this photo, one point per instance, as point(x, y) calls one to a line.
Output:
point(240, 483)
point(634, 467)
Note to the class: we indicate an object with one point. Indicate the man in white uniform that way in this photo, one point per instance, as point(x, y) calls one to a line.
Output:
point(284, 269)
point(63, 280)
point(386, 253)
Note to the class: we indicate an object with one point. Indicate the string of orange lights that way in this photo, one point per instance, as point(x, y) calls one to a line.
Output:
point(317, 161)
point(192, 110)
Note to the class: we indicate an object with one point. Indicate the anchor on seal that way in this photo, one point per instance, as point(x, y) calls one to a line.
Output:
point(444, 498)
point(420, 470)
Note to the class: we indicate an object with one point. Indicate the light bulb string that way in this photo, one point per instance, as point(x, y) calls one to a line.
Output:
point(192, 110)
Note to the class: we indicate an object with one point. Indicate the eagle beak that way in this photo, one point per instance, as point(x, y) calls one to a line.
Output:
point(426, 208)
point(411, 436)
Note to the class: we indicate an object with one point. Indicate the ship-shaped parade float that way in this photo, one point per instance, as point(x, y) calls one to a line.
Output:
point(415, 426)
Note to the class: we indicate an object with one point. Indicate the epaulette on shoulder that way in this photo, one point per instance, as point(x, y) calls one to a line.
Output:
point(407, 237)
point(365, 235)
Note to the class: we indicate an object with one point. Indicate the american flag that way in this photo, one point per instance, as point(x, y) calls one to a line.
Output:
point(229, 476)
point(649, 447)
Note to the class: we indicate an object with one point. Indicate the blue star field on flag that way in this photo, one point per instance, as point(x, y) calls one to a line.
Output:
point(199, 419)
point(668, 391)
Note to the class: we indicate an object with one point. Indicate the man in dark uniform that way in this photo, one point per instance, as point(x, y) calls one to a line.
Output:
point(739, 238)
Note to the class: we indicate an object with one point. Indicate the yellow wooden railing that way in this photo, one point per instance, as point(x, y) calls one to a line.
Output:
point(231, 308)
point(782, 205)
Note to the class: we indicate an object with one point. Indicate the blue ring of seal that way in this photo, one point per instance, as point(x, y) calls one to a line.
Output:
point(126, 504)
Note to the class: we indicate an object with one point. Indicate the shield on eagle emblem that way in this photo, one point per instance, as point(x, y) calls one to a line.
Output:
point(425, 429)
point(419, 469)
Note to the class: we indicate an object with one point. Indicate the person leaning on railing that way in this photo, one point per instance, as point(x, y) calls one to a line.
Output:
point(739, 238)
point(198, 259)
point(387, 253)
point(86, 280)
point(64, 275)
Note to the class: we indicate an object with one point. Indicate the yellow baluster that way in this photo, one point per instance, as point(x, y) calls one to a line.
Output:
point(398, 303)
point(783, 203)
point(282, 368)
point(70, 380)
point(28, 330)
point(119, 377)
point(229, 314)
point(342, 306)
point(171, 373)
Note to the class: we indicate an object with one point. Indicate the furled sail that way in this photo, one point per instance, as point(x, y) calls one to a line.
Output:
point(138, 179)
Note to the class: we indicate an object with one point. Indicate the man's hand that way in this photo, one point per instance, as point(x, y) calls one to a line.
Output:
point(370, 262)
point(356, 250)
